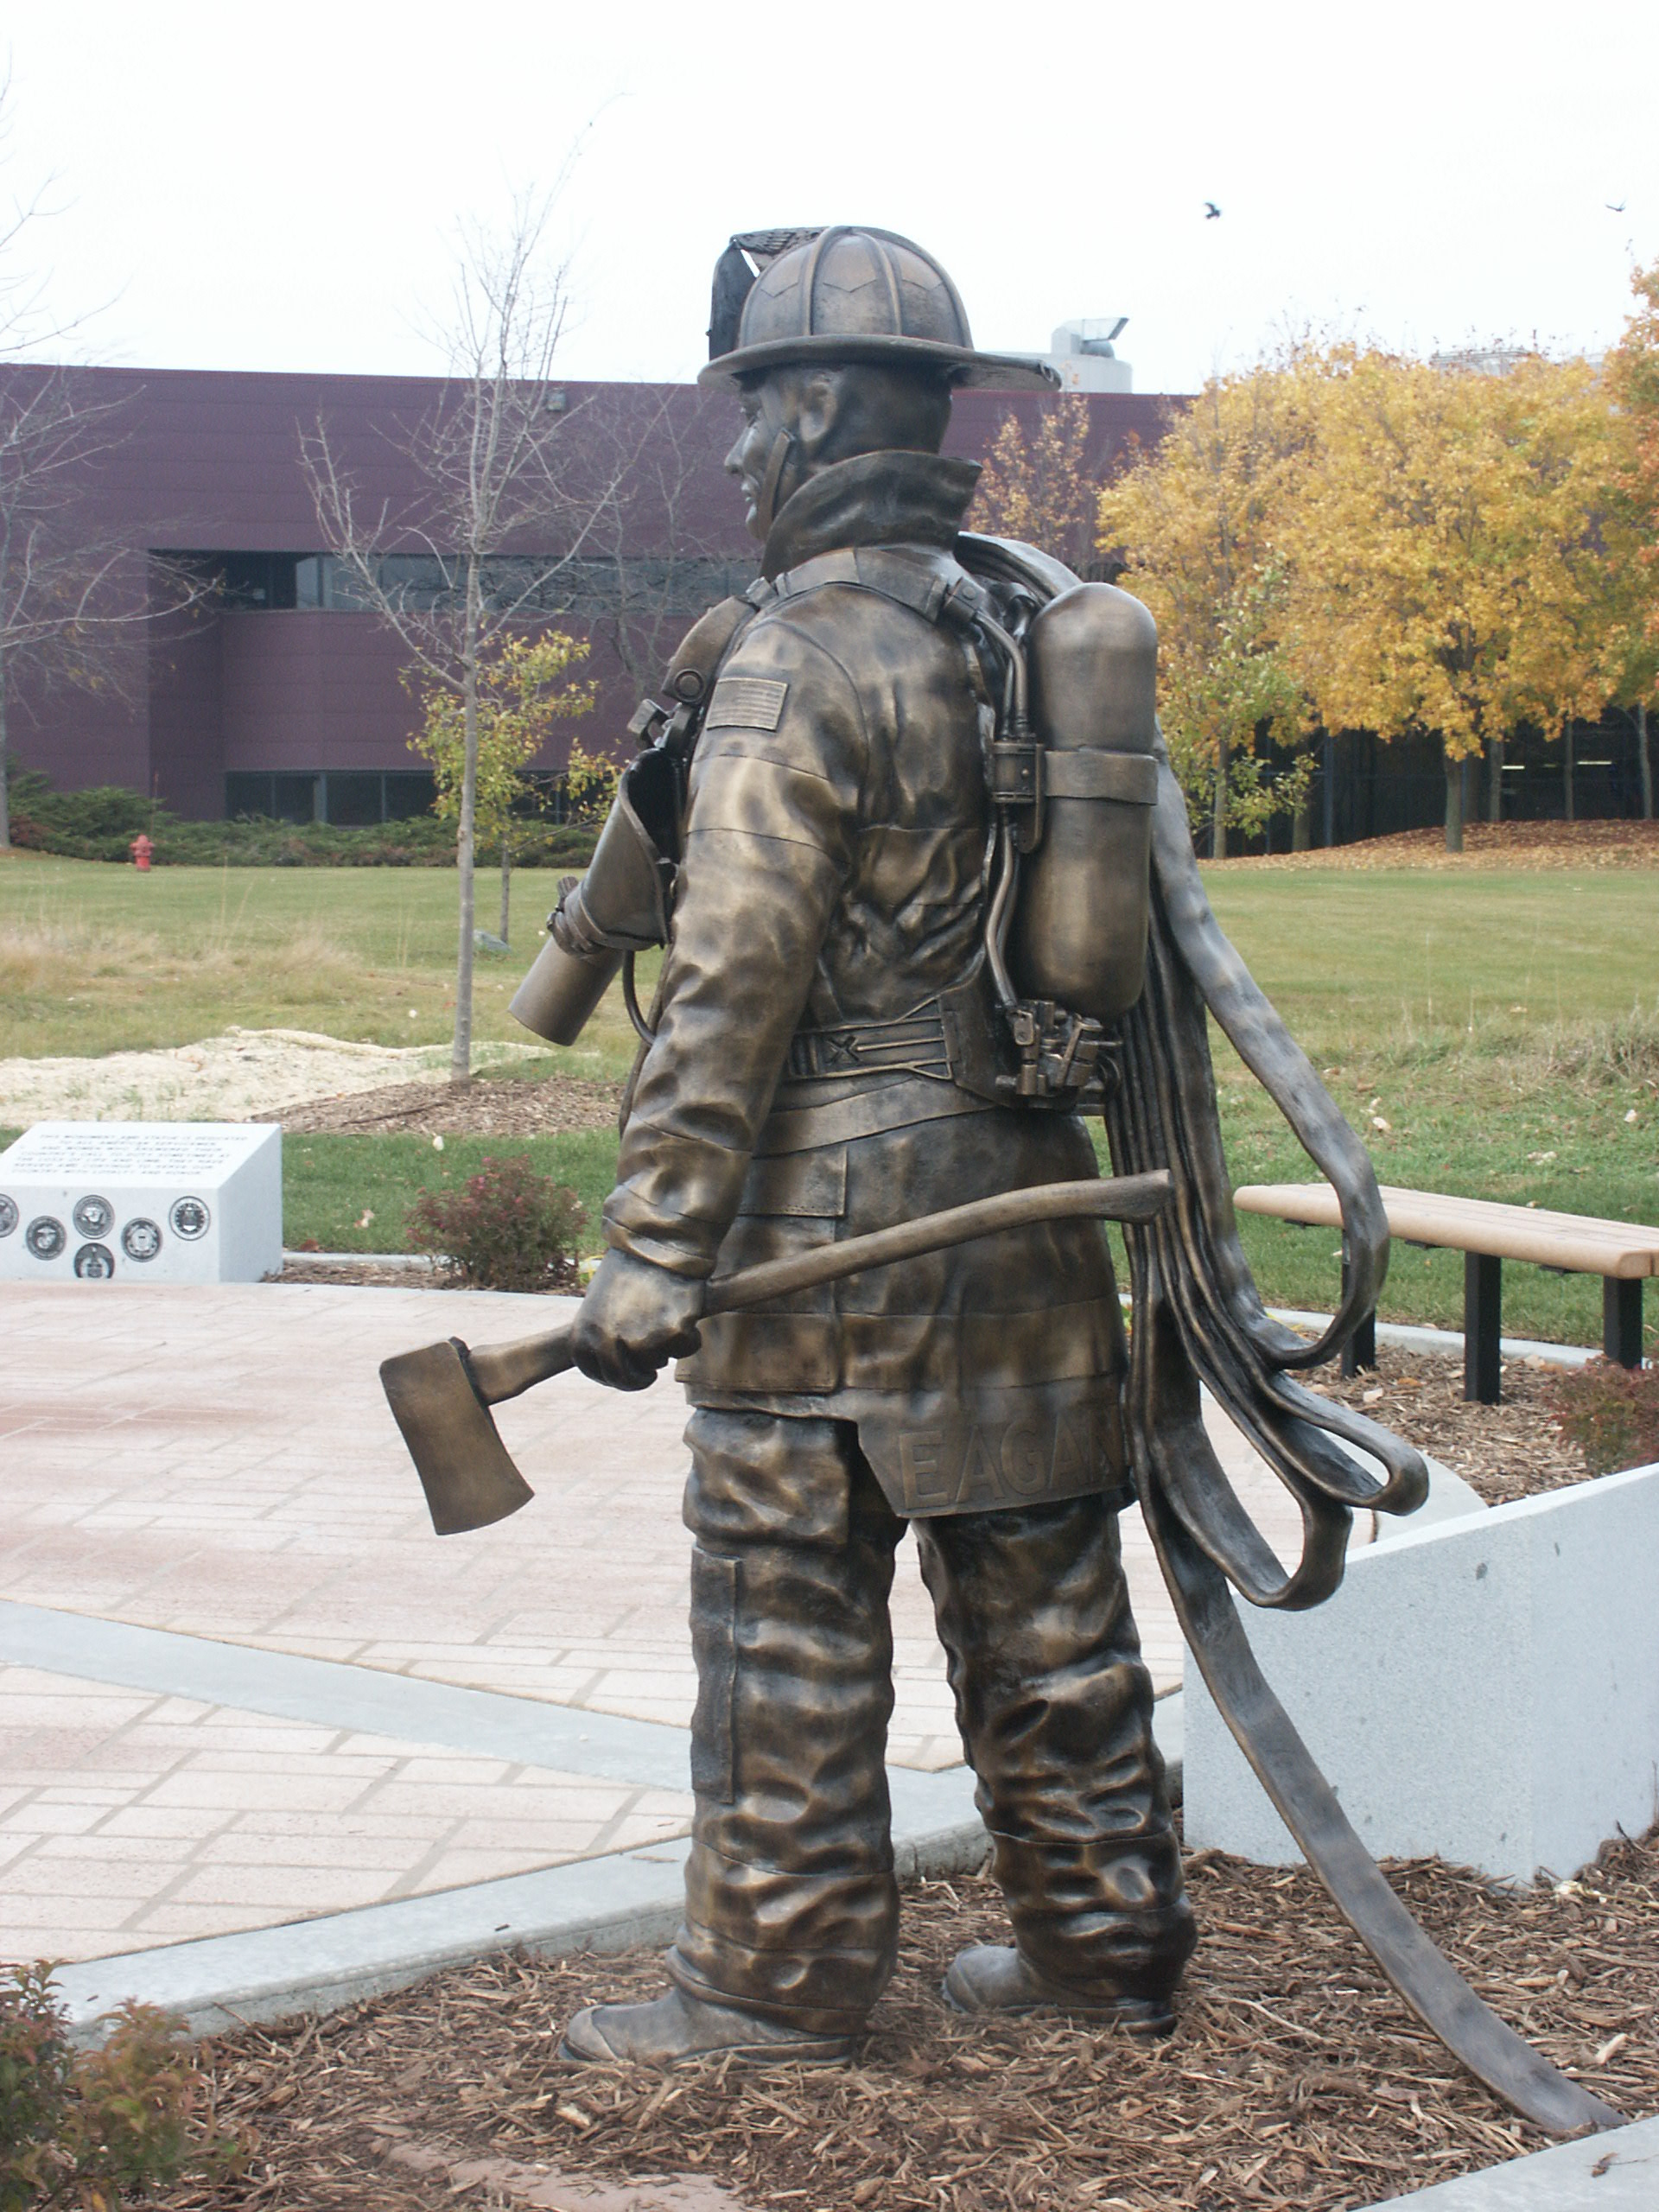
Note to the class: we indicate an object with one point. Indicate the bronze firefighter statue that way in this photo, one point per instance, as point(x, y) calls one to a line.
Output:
point(905, 824)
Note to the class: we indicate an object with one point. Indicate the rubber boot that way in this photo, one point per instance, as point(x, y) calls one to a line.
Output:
point(998, 1978)
point(1055, 1709)
point(676, 2030)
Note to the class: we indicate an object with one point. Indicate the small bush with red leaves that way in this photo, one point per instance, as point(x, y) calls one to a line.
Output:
point(1611, 1413)
point(90, 2128)
point(506, 1228)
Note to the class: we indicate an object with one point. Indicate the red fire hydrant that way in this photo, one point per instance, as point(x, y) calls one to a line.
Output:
point(142, 848)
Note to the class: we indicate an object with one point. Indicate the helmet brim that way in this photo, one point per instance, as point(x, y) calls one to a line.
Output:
point(959, 365)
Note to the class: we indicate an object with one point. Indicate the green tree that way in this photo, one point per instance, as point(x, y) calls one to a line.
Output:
point(524, 690)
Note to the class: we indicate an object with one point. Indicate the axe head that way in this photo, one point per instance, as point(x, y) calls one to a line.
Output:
point(463, 1464)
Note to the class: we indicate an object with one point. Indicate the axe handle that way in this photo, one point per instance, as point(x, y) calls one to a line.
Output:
point(505, 1370)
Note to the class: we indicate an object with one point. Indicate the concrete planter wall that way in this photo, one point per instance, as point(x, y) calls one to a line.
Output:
point(1486, 1690)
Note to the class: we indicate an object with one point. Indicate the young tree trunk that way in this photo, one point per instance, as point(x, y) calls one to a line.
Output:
point(1218, 816)
point(1567, 767)
point(506, 881)
point(1495, 782)
point(1644, 764)
point(1453, 802)
point(1301, 826)
point(460, 1051)
point(6, 786)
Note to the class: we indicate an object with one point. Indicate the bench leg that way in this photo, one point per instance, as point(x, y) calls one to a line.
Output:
point(1621, 1319)
point(1483, 1324)
point(1360, 1351)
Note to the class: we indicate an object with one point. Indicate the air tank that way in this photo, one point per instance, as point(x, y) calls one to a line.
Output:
point(1079, 931)
point(619, 906)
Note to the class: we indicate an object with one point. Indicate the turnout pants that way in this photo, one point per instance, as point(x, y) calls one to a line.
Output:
point(791, 1906)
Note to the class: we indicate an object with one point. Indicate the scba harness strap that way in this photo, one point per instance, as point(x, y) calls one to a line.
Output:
point(980, 1037)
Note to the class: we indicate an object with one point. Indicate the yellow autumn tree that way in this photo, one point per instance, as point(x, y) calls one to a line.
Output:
point(1040, 488)
point(1632, 370)
point(1196, 521)
point(1440, 551)
point(1569, 651)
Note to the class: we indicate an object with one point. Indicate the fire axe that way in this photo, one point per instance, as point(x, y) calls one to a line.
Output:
point(441, 1396)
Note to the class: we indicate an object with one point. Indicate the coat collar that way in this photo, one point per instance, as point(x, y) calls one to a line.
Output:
point(875, 499)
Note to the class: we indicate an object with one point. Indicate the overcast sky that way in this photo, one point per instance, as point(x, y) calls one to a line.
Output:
point(279, 187)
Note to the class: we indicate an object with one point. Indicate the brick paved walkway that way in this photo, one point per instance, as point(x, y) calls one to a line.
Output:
point(219, 1465)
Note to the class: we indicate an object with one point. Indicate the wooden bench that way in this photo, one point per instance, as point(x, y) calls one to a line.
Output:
point(1623, 1254)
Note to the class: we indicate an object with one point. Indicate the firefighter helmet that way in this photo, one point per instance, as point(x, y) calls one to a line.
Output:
point(784, 297)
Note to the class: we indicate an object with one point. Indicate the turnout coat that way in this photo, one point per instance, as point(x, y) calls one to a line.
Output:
point(823, 957)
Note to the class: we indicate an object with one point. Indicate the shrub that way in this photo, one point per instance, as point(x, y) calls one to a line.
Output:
point(100, 825)
point(1611, 1413)
point(507, 1228)
point(86, 2128)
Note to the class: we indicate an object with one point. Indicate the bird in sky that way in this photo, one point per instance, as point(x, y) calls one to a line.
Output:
point(1212, 212)
point(1611, 209)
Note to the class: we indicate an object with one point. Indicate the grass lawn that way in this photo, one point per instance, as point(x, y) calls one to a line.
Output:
point(96, 958)
point(330, 1182)
point(1504, 1026)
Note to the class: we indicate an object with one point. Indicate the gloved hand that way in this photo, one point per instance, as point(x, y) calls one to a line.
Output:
point(634, 1318)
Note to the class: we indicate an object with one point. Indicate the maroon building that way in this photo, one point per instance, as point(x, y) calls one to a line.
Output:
point(279, 693)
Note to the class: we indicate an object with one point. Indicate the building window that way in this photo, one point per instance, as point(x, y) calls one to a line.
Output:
point(349, 798)
point(356, 798)
point(537, 583)
point(256, 580)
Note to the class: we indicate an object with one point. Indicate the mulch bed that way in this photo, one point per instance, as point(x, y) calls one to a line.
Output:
point(1485, 844)
point(1295, 2078)
point(1506, 1451)
point(488, 1106)
point(367, 1274)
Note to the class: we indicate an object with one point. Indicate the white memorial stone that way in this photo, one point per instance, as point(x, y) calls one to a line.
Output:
point(1487, 1690)
point(141, 1202)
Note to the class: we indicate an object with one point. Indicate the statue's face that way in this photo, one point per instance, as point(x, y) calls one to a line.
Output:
point(766, 411)
point(828, 412)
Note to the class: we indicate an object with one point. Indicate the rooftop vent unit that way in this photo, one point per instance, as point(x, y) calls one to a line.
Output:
point(1083, 356)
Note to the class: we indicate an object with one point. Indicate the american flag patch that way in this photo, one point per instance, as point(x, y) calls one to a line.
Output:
point(747, 702)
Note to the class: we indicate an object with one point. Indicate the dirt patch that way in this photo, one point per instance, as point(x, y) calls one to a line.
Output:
point(1485, 844)
point(1510, 1450)
point(243, 1075)
point(487, 1106)
point(1296, 2078)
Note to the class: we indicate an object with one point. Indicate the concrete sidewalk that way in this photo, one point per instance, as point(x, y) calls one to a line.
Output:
point(243, 1687)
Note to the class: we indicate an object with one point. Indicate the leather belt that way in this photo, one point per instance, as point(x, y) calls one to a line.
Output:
point(912, 1044)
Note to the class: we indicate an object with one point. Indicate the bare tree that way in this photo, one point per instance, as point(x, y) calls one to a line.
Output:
point(71, 588)
point(461, 565)
point(64, 586)
point(657, 562)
